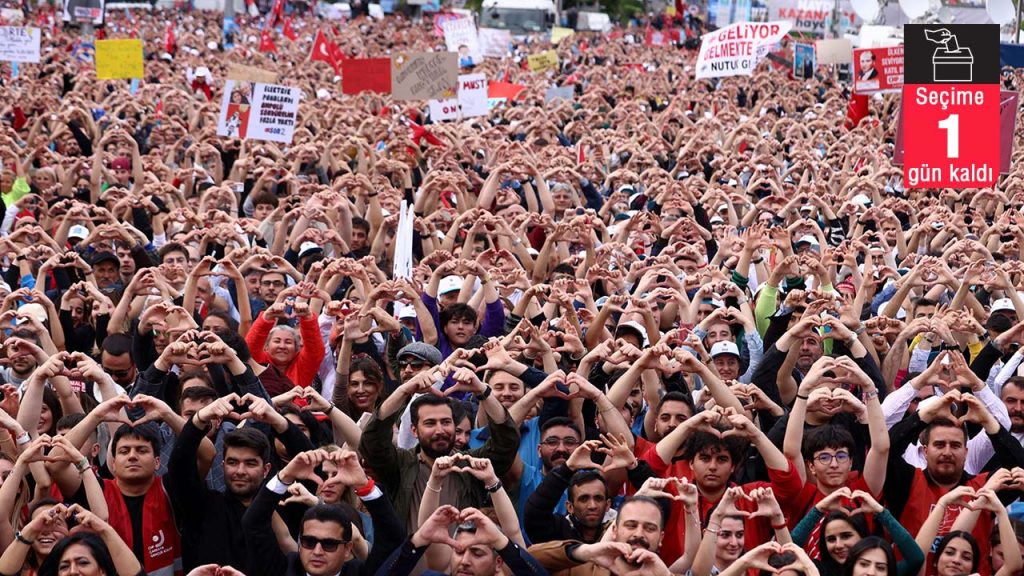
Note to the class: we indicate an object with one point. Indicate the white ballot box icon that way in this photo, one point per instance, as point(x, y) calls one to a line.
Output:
point(953, 66)
point(950, 62)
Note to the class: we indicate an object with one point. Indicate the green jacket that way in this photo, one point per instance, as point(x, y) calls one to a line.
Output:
point(395, 469)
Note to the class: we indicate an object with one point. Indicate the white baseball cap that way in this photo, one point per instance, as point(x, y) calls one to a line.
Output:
point(724, 347)
point(78, 231)
point(1003, 304)
point(449, 284)
point(308, 248)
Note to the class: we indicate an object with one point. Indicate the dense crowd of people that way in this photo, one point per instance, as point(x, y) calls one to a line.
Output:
point(668, 326)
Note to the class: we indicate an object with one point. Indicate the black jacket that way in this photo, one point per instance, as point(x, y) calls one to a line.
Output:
point(266, 558)
point(209, 521)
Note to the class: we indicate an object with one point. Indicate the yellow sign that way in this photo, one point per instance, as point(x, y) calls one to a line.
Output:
point(547, 60)
point(118, 59)
point(559, 34)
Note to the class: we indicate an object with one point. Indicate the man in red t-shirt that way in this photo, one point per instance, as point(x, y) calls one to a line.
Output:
point(825, 457)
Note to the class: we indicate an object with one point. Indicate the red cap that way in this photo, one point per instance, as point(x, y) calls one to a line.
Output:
point(121, 163)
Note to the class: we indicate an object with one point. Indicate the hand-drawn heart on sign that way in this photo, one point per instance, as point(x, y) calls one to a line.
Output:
point(424, 75)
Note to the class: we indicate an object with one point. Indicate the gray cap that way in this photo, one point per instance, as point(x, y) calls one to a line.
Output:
point(423, 351)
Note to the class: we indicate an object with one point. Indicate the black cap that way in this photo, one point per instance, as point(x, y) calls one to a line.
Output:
point(105, 257)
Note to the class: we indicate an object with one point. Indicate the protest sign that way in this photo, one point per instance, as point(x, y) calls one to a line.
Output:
point(558, 34)
point(256, 111)
point(547, 60)
point(244, 73)
point(78, 11)
point(724, 12)
point(494, 42)
point(376, 11)
point(813, 16)
point(803, 60)
point(118, 59)
point(559, 93)
point(424, 75)
point(440, 19)
point(19, 44)
point(736, 49)
point(460, 36)
point(833, 51)
point(366, 75)
point(470, 102)
point(877, 70)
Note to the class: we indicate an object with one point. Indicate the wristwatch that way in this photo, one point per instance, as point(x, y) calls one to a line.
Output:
point(485, 394)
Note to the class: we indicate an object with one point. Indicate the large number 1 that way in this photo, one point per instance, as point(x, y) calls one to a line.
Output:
point(952, 125)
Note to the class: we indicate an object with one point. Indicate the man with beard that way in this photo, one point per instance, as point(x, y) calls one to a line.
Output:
point(588, 499)
point(403, 474)
point(210, 520)
point(636, 537)
point(1012, 396)
point(912, 492)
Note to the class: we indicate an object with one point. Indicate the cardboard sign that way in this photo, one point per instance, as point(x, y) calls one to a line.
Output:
point(877, 70)
point(736, 49)
point(19, 44)
point(366, 75)
point(118, 59)
point(494, 42)
point(833, 51)
point(258, 111)
point(558, 34)
point(813, 16)
point(559, 93)
point(951, 106)
point(471, 101)
point(244, 73)
point(424, 75)
point(547, 60)
point(803, 61)
point(460, 36)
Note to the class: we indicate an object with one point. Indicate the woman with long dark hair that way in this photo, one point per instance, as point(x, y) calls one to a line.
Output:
point(840, 532)
point(872, 556)
point(958, 551)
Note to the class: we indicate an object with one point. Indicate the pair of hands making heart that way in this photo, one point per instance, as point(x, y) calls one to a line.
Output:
point(622, 559)
point(479, 468)
point(945, 406)
point(198, 348)
point(435, 530)
point(767, 505)
point(617, 451)
point(248, 407)
point(59, 515)
point(863, 502)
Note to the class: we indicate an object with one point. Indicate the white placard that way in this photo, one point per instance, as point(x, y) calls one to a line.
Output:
point(471, 101)
point(813, 16)
point(494, 42)
point(258, 111)
point(376, 11)
point(460, 36)
point(19, 44)
point(736, 49)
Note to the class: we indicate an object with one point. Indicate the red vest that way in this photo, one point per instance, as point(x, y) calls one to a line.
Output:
point(162, 550)
point(923, 497)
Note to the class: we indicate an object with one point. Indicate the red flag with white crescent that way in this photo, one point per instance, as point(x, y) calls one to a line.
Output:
point(288, 31)
point(169, 41)
point(267, 41)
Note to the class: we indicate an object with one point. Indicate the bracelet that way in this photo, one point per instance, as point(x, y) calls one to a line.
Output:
point(870, 394)
point(494, 488)
point(22, 539)
point(802, 397)
point(708, 530)
point(370, 485)
point(23, 439)
point(778, 526)
point(437, 490)
point(82, 465)
point(485, 394)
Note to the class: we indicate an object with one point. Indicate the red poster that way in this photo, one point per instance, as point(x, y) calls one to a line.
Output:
point(504, 90)
point(877, 69)
point(366, 75)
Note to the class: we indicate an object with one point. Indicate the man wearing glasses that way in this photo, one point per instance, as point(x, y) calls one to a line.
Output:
point(326, 536)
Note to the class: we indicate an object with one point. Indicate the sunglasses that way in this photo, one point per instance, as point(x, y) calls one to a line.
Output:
point(328, 544)
point(413, 363)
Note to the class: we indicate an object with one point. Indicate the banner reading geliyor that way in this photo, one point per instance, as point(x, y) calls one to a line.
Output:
point(736, 49)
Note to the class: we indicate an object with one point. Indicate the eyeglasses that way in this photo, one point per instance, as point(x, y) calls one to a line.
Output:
point(328, 544)
point(553, 442)
point(825, 458)
point(119, 373)
point(272, 284)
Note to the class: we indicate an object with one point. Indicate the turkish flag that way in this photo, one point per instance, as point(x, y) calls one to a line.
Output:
point(288, 32)
point(419, 133)
point(856, 110)
point(324, 50)
point(169, 42)
point(267, 41)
